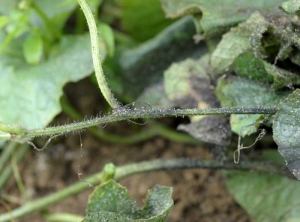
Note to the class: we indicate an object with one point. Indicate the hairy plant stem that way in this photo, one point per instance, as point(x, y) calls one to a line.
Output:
point(127, 170)
point(124, 114)
point(108, 95)
point(152, 130)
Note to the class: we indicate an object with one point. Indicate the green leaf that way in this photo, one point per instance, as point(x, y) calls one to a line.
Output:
point(267, 198)
point(239, 92)
point(112, 202)
point(29, 95)
point(142, 19)
point(218, 15)
point(286, 131)
point(291, 6)
point(33, 48)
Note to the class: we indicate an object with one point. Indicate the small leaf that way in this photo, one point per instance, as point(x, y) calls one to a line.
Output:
point(112, 202)
point(33, 48)
point(108, 172)
point(286, 131)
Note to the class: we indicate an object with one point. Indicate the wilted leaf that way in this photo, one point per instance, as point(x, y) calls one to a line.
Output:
point(211, 129)
point(187, 85)
point(112, 202)
point(282, 77)
point(240, 92)
point(248, 66)
point(218, 15)
point(236, 42)
point(286, 131)
point(29, 96)
point(247, 39)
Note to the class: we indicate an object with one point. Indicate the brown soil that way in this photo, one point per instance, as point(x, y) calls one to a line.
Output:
point(199, 195)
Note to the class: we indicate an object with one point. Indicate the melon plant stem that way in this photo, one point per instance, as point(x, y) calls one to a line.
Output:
point(153, 129)
point(127, 170)
point(124, 114)
point(108, 95)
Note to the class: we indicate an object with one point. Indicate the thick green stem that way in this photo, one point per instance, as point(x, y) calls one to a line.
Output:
point(124, 114)
point(151, 114)
point(96, 55)
point(127, 170)
point(152, 130)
